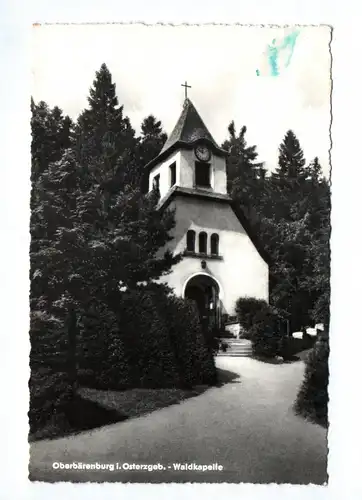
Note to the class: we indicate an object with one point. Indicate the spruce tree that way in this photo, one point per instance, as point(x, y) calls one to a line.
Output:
point(51, 135)
point(290, 231)
point(103, 131)
point(123, 224)
point(56, 250)
point(287, 182)
point(291, 158)
point(245, 175)
point(152, 140)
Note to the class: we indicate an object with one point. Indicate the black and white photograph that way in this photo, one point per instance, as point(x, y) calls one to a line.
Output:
point(180, 253)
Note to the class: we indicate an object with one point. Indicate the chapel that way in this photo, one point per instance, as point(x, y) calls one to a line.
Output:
point(222, 259)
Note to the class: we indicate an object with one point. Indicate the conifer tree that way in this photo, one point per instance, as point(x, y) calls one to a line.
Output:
point(103, 131)
point(245, 175)
point(288, 180)
point(122, 223)
point(152, 140)
point(51, 135)
point(291, 158)
point(318, 280)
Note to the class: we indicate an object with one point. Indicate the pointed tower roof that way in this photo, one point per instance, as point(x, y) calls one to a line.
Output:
point(188, 130)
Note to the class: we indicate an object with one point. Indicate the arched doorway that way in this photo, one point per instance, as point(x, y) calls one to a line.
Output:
point(205, 292)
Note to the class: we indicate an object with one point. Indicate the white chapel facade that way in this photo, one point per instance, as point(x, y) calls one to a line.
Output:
point(222, 260)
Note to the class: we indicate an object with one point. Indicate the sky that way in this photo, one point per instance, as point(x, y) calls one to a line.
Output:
point(268, 79)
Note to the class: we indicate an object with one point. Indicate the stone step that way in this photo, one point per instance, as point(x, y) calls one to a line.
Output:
point(231, 351)
point(239, 346)
point(237, 350)
point(234, 354)
point(236, 341)
point(241, 350)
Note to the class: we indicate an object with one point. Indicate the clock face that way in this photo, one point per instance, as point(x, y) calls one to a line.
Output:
point(203, 153)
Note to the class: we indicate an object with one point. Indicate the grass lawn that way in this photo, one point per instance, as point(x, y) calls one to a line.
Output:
point(94, 408)
point(137, 402)
point(79, 415)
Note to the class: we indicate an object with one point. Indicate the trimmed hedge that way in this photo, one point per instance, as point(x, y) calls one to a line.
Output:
point(100, 347)
point(312, 399)
point(154, 340)
point(50, 397)
point(50, 386)
point(192, 361)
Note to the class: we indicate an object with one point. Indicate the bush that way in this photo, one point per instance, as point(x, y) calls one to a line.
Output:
point(193, 354)
point(312, 399)
point(265, 334)
point(50, 396)
point(293, 346)
point(246, 309)
point(50, 384)
point(102, 362)
point(155, 341)
point(141, 348)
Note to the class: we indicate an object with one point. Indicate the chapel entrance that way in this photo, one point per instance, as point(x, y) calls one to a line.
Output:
point(204, 291)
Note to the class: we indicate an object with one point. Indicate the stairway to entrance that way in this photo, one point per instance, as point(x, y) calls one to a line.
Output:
point(236, 347)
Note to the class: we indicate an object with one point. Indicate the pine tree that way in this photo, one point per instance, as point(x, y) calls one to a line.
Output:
point(288, 180)
point(290, 230)
point(318, 280)
point(245, 175)
point(152, 140)
point(103, 131)
point(291, 158)
point(51, 135)
point(54, 229)
point(56, 252)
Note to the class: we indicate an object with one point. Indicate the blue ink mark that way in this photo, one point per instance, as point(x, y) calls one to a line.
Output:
point(273, 58)
point(288, 43)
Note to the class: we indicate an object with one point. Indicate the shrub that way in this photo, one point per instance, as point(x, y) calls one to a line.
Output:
point(50, 384)
point(265, 333)
point(156, 342)
point(193, 356)
point(142, 344)
point(292, 346)
point(102, 362)
point(246, 309)
point(50, 396)
point(312, 399)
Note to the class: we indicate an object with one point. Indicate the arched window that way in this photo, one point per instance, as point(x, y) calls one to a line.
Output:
point(190, 244)
point(215, 244)
point(203, 242)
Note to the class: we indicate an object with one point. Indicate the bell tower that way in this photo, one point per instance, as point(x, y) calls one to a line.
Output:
point(190, 158)
point(221, 257)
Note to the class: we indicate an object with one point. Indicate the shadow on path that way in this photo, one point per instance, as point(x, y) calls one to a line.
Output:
point(227, 377)
point(80, 415)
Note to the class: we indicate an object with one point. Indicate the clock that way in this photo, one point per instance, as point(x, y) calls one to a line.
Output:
point(202, 152)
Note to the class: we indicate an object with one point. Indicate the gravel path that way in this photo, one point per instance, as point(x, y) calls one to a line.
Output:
point(247, 426)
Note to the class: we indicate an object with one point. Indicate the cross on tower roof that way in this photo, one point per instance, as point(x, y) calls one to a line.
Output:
point(186, 87)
